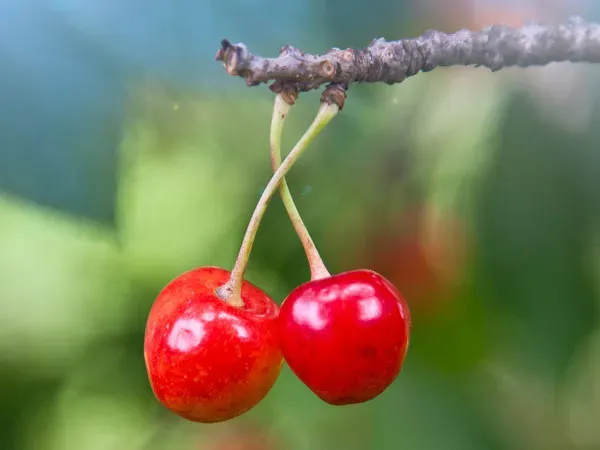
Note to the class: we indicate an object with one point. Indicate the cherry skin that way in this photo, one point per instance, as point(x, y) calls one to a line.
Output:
point(345, 336)
point(207, 360)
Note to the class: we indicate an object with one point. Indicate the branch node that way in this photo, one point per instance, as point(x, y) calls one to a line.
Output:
point(327, 68)
point(225, 45)
point(335, 93)
point(349, 55)
point(288, 90)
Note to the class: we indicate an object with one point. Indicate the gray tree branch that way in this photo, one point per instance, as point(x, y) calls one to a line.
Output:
point(391, 62)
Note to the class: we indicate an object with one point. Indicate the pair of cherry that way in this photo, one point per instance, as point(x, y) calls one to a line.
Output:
point(344, 336)
point(215, 343)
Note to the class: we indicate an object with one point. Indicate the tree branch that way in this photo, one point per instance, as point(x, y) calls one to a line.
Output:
point(391, 62)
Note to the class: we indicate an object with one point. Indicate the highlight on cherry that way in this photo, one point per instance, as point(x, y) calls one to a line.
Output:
point(215, 343)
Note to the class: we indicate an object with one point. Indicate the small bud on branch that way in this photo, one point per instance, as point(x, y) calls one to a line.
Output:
point(391, 62)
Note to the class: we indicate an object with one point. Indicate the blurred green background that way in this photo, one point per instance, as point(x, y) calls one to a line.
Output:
point(128, 156)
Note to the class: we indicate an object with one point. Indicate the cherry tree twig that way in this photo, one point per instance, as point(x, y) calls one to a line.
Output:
point(391, 62)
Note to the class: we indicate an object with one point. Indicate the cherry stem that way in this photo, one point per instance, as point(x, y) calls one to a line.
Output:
point(232, 290)
point(318, 269)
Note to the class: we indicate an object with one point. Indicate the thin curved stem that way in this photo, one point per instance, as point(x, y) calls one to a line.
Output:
point(231, 291)
point(318, 270)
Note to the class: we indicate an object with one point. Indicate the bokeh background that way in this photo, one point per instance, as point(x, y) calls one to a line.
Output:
point(128, 156)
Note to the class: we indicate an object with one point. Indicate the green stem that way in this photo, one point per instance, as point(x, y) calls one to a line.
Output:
point(231, 291)
point(318, 270)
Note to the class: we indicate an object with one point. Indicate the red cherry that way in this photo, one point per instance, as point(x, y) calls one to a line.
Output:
point(207, 360)
point(345, 336)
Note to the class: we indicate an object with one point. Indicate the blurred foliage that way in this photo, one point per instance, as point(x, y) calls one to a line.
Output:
point(477, 194)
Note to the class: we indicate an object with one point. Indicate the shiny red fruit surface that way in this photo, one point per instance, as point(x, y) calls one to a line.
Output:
point(207, 360)
point(345, 336)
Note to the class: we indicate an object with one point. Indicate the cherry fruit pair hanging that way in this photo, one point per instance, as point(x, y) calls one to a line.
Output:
point(215, 343)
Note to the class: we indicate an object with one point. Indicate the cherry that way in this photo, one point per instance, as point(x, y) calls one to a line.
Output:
point(207, 359)
point(345, 336)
